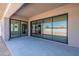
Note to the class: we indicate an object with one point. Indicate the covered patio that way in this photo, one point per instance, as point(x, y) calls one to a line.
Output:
point(22, 23)
point(32, 46)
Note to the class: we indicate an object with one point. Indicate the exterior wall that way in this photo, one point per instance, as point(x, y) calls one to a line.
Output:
point(5, 32)
point(73, 21)
point(0, 27)
point(19, 18)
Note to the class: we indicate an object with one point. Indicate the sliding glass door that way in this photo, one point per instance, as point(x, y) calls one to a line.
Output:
point(15, 28)
point(38, 28)
point(60, 28)
point(24, 28)
point(53, 28)
point(33, 29)
point(18, 28)
point(47, 28)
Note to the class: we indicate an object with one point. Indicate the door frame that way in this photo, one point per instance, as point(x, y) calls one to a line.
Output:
point(20, 27)
point(52, 20)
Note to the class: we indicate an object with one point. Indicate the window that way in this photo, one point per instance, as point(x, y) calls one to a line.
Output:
point(18, 28)
point(53, 28)
point(15, 28)
point(33, 28)
point(60, 28)
point(47, 28)
point(24, 28)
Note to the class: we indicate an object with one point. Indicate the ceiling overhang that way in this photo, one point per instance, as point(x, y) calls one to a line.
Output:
point(2, 9)
point(31, 9)
point(11, 9)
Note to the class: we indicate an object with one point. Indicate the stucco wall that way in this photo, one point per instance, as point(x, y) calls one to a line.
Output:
point(0, 27)
point(19, 18)
point(73, 21)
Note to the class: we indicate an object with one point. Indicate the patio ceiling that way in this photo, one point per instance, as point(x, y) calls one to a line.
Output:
point(2, 8)
point(11, 9)
point(31, 9)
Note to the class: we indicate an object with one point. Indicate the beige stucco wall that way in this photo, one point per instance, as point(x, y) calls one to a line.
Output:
point(11, 9)
point(19, 18)
point(3, 7)
point(73, 21)
point(0, 27)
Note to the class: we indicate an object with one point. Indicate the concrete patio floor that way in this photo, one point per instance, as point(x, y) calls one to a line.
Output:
point(31, 46)
point(3, 49)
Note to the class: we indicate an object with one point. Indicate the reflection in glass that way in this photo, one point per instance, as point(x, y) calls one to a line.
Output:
point(18, 28)
point(24, 28)
point(38, 28)
point(33, 28)
point(11, 27)
point(47, 28)
point(53, 28)
point(60, 28)
point(15, 28)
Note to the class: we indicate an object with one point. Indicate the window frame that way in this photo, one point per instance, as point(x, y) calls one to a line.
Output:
point(52, 21)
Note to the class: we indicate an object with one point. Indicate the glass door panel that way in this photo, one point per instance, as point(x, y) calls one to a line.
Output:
point(54, 28)
point(47, 28)
point(15, 28)
point(60, 28)
point(33, 28)
point(24, 28)
point(38, 28)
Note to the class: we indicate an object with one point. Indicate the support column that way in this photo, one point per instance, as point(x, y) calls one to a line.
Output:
point(28, 28)
point(5, 29)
